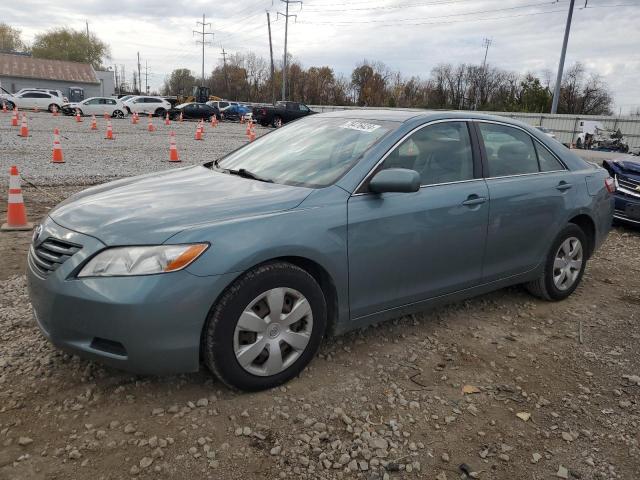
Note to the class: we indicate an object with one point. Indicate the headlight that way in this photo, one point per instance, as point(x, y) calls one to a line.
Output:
point(142, 260)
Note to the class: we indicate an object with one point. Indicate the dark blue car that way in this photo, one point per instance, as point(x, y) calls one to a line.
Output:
point(626, 173)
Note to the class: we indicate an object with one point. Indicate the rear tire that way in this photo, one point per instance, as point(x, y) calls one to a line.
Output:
point(50, 107)
point(277, 122)
point(265, 337)
point(160, 112)
point(561, 277)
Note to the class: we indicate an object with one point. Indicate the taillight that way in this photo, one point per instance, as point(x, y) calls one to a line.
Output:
point(610, 184)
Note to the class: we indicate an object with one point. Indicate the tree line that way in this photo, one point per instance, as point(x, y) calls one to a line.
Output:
point(465, 86)
point(247, 77)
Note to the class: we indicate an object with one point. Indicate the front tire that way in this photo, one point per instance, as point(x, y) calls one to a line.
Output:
point(118, 114)
point(265, 328)
point(160, 112)
point(564, 266)
point(277, 122)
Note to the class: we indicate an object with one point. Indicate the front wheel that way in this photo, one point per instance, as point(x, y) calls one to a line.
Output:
point(10, 105)
point(277, 122)
point(564, 266)
point(118, 114)
point(160, 112)
point(265, 328)
point(52, 107)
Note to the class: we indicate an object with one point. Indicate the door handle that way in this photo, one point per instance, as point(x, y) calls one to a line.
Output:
point(562, 186)
point(474, 200)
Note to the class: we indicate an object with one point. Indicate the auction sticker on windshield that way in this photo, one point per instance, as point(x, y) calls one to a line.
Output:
point(361, 126)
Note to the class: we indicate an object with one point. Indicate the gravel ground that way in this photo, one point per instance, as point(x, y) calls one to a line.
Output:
point(501, 387)
point(89, 158)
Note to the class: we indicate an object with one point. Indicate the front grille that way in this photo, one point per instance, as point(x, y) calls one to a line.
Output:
point(52, 253)
point(628, 183)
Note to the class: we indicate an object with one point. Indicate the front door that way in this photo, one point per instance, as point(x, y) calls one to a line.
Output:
point(408, 247)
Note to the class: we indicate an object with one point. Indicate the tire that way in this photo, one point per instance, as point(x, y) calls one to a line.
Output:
point(264, 124)
point(160, 112)
point(117, 114)
point(277, 122)
point(10, 105)
point(545, 287)
point(79, 111)
point(579, 143)
point(224, 342)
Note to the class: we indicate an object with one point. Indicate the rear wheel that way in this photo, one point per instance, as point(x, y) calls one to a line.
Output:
point(160, 112)
point(265, 328)
point(277, 122)
point(564, 266)
point(52, 107)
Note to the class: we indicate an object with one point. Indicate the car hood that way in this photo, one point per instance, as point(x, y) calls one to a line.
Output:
point(151, 208)
point(627, 164)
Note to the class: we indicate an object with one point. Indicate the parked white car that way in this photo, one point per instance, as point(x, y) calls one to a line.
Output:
point(96, 106)
point(546, 131)
point(7, 98)
point(40, 100)
point(144, 104)
point(55, 93)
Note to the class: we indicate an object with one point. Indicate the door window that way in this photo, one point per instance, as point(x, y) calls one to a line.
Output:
point(510, 151)
point(440, 153)
point(93, 101)
point(548, 161)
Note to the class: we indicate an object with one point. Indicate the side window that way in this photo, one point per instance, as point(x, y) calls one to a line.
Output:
point(110, 101)
point(30, 95)
point(303, 108)
point(509, 150)
point(440, 153)
point(548, 162)
point(93, 101)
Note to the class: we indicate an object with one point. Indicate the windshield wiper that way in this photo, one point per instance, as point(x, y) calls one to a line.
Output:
point(241, 172)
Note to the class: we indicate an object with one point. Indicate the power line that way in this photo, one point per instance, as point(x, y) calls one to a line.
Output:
point(385, 7)
point(203, 41)
point(286, 16)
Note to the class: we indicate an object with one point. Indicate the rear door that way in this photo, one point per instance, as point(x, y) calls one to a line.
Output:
point(408, 247)
point(530, 192)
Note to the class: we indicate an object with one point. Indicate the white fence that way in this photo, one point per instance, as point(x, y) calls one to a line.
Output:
point(565, 127)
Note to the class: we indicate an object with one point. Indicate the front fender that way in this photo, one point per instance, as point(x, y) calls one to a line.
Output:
point(316, 231)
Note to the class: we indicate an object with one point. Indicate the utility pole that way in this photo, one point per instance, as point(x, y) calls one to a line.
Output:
point(203, 41)
point(146, 77)
point(139, 77)
point(563, 53)
point(273, 84)
point(286, 28)
point(224, 69)
point(486, 43)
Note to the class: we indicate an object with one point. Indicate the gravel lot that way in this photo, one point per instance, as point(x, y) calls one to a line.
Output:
point(89, 158)
point(502, 387)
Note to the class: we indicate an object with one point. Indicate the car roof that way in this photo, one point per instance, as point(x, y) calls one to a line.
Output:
point(394, 115)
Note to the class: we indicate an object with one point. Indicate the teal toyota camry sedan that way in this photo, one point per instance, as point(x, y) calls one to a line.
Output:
point(334, 222)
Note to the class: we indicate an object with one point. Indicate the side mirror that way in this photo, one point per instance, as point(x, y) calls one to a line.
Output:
point(395, 180)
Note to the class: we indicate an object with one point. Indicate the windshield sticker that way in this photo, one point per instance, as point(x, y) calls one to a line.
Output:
point(361, 126)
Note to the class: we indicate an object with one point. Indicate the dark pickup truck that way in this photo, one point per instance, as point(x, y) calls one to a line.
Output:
point(280, 113)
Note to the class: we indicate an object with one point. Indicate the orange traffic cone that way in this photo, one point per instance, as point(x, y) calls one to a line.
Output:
point(150, 126)
point(36, 109)
point(180, 116)
point(24, 129)
point(94, 123)
point(173, 150)
point(109, 131)
point(14, 119)
point(78, 117)
point(167, 121)
point(16, 211)
point(56, 156)
point(134, 118)
point(105, 115)
point(198, 132)
point(4, 107)
point(214, 121)
point(249, 125)
point(54, 111)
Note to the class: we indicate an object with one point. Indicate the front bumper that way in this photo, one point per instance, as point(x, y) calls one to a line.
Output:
point(145, 324)
point(627, 208)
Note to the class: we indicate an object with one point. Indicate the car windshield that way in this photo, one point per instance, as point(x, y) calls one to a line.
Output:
point(313, 152)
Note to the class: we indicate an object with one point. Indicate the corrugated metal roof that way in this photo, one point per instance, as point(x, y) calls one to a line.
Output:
point(29, 67)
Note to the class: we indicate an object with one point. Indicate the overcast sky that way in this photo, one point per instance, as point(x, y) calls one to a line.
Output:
point(408, 35)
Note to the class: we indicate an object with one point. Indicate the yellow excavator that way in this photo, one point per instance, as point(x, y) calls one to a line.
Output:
point(200, 94)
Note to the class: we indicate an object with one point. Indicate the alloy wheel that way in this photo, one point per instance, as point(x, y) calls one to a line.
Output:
point(273, 331)
point(568, 263)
